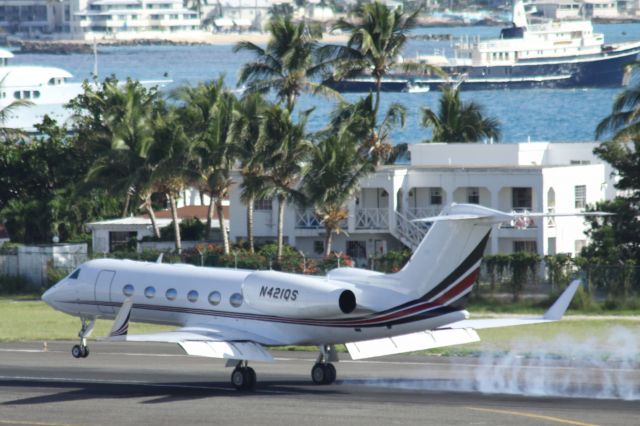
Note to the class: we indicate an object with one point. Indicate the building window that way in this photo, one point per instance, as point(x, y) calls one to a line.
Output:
point(521, 198)
point(436, 196)
point(551, 246)
point(525, 246)
point(579, 245)
point(581, 196)
point(473, 195)
point(121, 240)
point(263, 204)
point(357, 249)
point(318, 247)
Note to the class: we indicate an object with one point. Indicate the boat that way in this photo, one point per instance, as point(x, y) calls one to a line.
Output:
point(48, 88)
point(555, 54)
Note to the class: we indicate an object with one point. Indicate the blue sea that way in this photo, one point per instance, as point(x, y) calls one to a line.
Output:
point(536, 114)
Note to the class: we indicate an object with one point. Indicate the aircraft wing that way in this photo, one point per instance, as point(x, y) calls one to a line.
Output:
point(206, 341)
point(456, 333)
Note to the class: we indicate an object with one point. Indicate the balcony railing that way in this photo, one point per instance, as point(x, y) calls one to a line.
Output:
point(521, 221)
point(422, 212)
point(307, 219)
point(372, 218)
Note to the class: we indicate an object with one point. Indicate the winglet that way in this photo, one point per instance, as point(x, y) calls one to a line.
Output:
point(159, 259)
point(557, 310)
point(120, 326)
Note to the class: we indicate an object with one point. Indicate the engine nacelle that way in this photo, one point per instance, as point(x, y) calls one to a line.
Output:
point(297, 296)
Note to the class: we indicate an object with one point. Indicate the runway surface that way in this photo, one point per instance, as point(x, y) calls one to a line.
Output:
point(120, 384)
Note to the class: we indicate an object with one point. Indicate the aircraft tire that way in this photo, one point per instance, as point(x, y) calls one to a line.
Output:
point(250, 378)
point(319, 374)
point(85, 351)
point(238, 378)
point(76, 351)
point(331, 374)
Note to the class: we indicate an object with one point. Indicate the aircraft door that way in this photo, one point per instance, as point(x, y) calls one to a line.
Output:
point(102, 290)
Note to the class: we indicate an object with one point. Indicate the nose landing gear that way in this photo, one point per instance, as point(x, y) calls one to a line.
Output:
point(82, 350)
point(323, 372)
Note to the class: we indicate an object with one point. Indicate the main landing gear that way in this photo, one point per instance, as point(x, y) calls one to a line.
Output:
point(82, 350)
point(323, 372)
point(243, 377)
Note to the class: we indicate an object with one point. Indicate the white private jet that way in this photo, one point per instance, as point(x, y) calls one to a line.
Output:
point(233, 314)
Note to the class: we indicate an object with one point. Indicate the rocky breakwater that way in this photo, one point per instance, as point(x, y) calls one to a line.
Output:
point(71, 47)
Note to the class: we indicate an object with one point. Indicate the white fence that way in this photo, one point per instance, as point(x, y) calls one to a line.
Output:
point(33, 262)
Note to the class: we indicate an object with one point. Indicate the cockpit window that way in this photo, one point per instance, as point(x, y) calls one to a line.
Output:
point(74, 275)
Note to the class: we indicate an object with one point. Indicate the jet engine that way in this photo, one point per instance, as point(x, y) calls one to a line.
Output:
point(297, 296)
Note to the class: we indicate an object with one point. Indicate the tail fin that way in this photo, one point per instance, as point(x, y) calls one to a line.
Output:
point(445, 265)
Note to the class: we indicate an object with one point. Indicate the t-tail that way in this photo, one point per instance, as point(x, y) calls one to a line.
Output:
point(446, 264)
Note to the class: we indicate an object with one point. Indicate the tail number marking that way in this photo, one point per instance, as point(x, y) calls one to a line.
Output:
point(278, 293)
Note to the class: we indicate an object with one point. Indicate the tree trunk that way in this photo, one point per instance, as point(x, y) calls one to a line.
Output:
point(176, 225)
point(281, 203)
point(152, 216)
point(127, 201)
point(328, 236)
point(223, 229)
point(250, 224)
point(209, 217)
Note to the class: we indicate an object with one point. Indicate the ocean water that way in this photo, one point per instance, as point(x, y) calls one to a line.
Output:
point(536, 114)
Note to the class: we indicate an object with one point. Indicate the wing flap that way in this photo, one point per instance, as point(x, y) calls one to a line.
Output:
point(411, 342)
point(246, 351)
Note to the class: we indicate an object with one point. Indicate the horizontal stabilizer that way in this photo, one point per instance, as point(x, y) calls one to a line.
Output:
point(554, 313)
point(411, 342)
point(246, 351)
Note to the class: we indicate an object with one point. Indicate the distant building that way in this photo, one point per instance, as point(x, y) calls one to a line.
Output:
point(601, 9)
point(127, 19)
point(34, 17)
point(559, 9)
point(540, 177)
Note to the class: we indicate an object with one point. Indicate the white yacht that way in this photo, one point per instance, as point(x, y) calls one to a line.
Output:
point(48, 88)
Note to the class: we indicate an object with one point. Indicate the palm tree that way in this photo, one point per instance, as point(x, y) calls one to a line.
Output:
point(207, 115)
point(287, 64)
point(175, 154)
point(458, 121)
point(7, 132)
point(245, 131)
point(375, 43)
point(287, 148)
point(360, 117)
point(335, 169)
point(126, 135)
point(624, 119)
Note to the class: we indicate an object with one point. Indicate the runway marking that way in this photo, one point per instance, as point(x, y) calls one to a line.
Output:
point(24, 422)
point(532, 416)
point(126, 382)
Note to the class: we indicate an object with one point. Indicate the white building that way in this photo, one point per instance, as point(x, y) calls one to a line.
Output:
point(129, 19)
point(540, 177)
point(34, 17)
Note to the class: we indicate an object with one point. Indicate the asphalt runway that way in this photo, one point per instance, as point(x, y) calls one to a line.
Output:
point(127, 383)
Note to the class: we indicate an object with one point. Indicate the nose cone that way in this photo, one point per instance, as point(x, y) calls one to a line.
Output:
point(47, 297)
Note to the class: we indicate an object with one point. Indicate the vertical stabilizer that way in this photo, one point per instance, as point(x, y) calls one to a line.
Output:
point(445, 265)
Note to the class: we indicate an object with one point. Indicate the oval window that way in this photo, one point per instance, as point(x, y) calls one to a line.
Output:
point(171, 294)
point(215, 297)
point(192, 296)
point(235, 300)
point(150, 292)
point(128, 290)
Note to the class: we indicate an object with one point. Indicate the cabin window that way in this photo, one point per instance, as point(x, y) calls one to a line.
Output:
point(74, 274)
point(150, 292)
point(127, 290)
point(171, 294)
point(52, 81)
point(215, 297)
point(26, 94)
point(192, 296)
point(235, 300)
point(36, 94)
point(16, 95)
